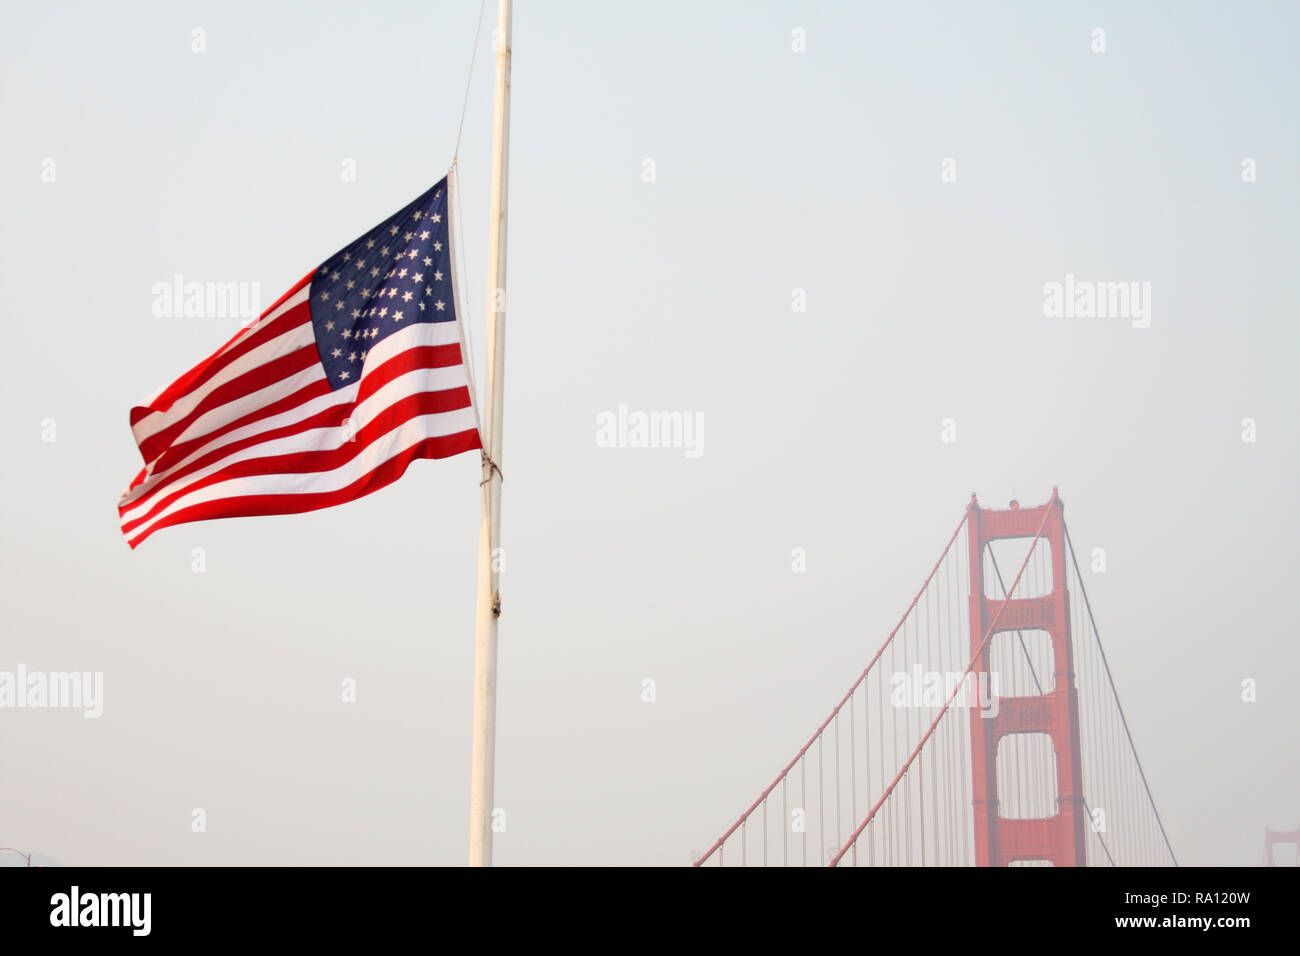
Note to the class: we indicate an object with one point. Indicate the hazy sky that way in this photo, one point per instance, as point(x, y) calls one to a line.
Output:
point(774, 171)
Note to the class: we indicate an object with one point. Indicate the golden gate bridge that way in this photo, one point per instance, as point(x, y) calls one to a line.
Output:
point(987, 730)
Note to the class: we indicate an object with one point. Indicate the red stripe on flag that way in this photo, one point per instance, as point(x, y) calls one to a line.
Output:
point(195, 376)
point(251, 381)
point(179, 452)
point(384, 474)
point(422, 356)
point(433, 356)
point(333, 417)
point(326, 459)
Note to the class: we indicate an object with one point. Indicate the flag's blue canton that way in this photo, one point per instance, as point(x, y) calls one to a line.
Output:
point(396, 274)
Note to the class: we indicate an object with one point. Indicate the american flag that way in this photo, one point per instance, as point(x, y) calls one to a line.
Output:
point(353, 374)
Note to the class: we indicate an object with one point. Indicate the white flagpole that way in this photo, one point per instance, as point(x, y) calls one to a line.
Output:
point(483, 759)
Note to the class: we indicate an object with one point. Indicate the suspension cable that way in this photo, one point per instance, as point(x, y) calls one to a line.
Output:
point(988, 636)
point(1115, 693)
point(843, 700)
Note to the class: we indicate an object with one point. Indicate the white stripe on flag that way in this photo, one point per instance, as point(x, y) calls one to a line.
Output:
point(405, 436)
